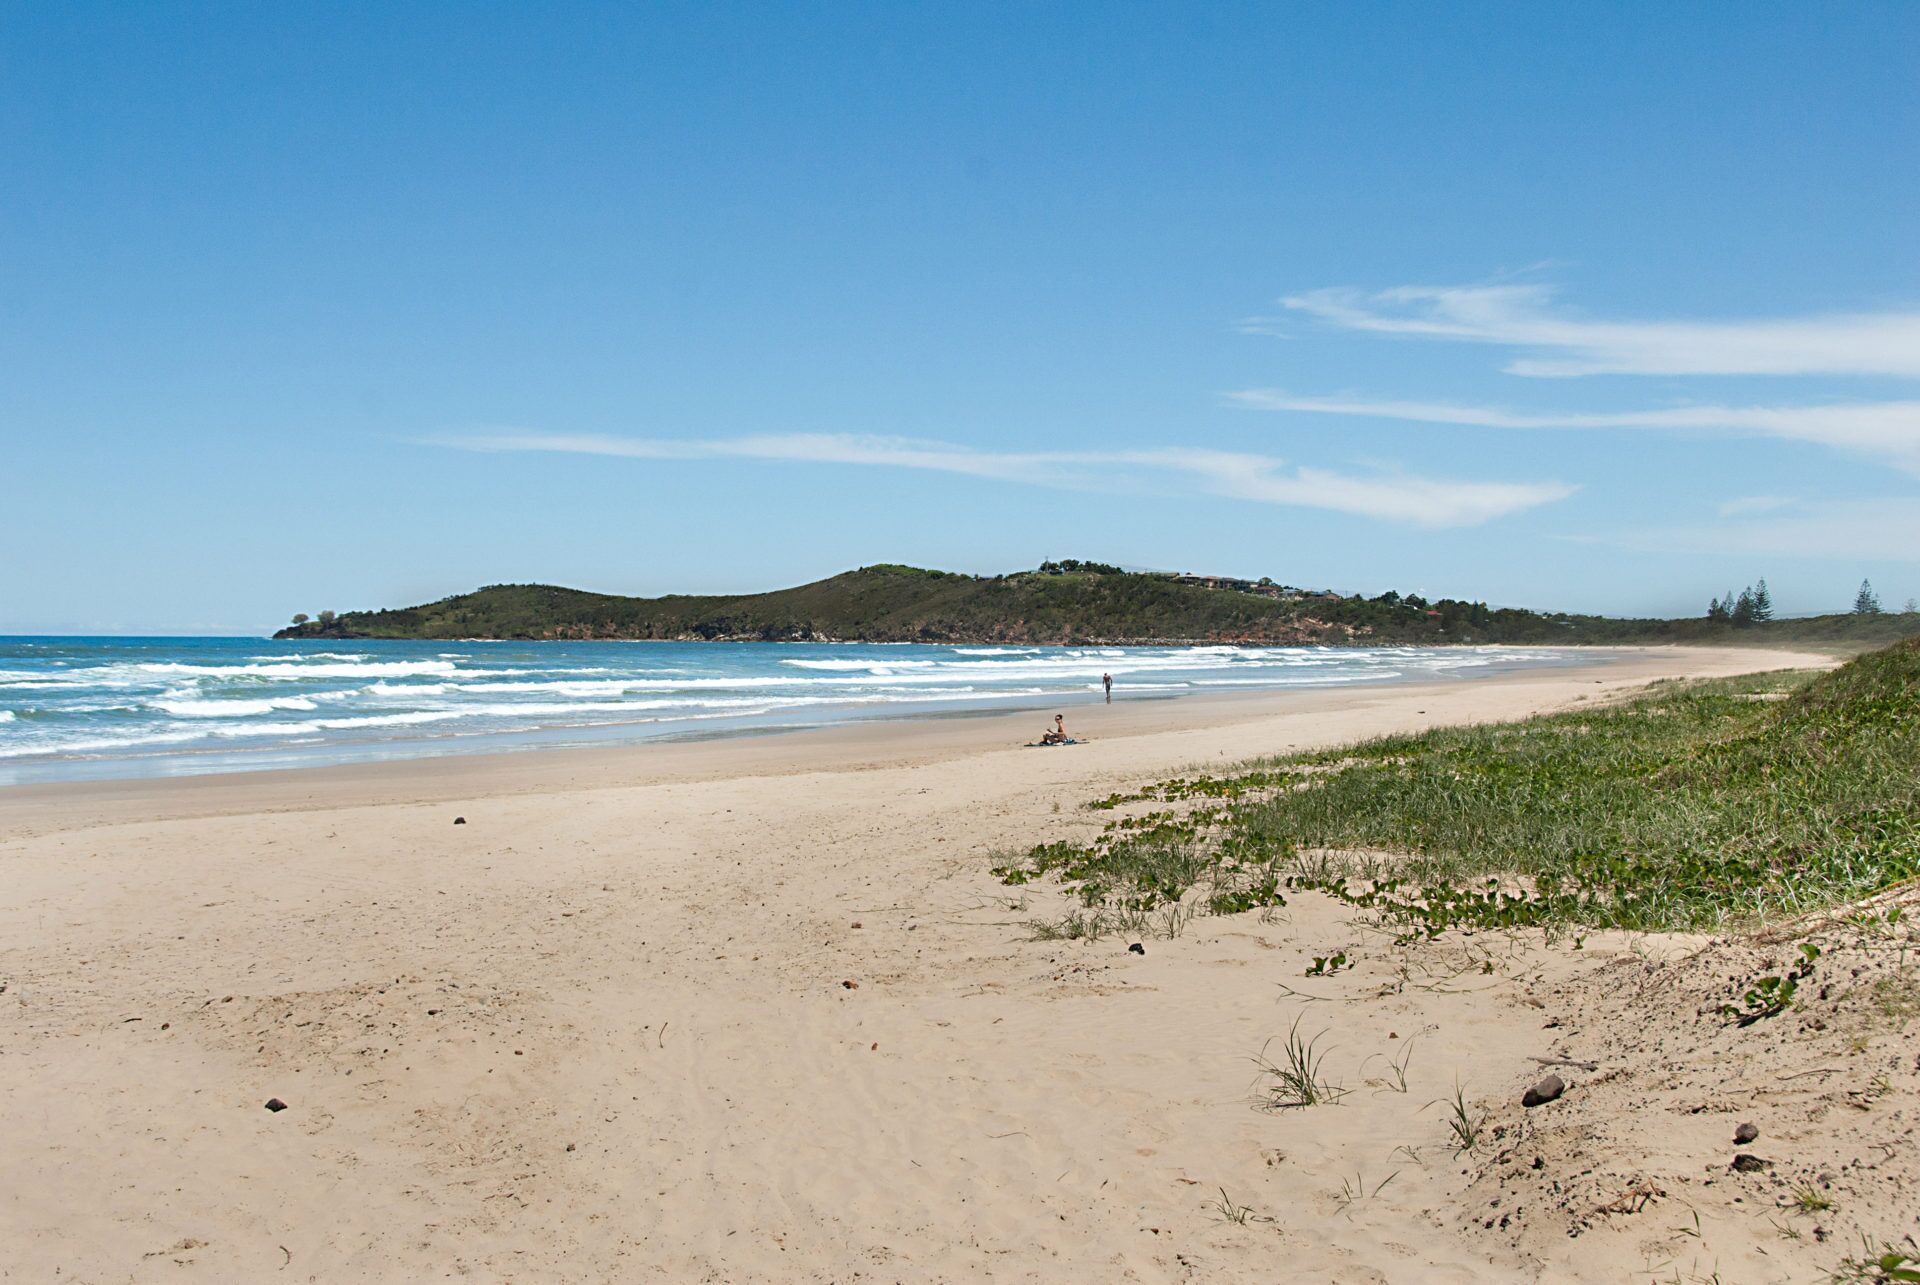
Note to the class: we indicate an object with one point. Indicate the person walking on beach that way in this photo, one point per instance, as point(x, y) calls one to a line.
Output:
point(1106, 681)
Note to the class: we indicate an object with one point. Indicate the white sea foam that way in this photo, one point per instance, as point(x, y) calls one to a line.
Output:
point(97, 744)
point(1302, 680)
point(510, 715)
point(608, 686)
point(105, 701)
point(883, 666)
point(1038, 667)
point(232, 708)
point(358, 669)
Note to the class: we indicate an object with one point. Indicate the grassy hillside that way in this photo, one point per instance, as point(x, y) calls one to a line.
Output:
point(879, 604)
point(1694, 803)
point(907, 604)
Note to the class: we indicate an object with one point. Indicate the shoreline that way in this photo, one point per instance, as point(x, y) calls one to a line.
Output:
point(218, 721)
point(853, 744)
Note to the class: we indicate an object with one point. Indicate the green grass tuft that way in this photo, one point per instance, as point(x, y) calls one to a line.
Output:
point(1296, 1078)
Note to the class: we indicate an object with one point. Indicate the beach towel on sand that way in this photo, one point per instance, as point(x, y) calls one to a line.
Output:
point(1047, 745)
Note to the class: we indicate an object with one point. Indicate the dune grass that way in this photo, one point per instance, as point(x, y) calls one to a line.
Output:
point(1296, 1078)
point(1686, 806)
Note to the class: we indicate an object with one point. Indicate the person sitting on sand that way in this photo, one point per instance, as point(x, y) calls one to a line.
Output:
point(1057, 734)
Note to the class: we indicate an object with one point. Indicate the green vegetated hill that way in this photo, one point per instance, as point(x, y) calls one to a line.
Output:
point(1105, 605)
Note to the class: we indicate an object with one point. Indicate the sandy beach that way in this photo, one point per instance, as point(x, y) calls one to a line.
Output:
point(754, 1009)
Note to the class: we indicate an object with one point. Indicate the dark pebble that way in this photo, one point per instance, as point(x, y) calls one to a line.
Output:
point(1545, 1091)
point(1745, 1133)
point(459, 820)
point(1745, 1163)
point(275, 1104)
point(1137, 948)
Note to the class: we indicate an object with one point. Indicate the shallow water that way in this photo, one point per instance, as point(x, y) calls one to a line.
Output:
point(104, 707)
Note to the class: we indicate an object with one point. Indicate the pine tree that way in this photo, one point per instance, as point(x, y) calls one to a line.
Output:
point(1762, 602)
point(1743, 608)
point(1716, 610)
point(1866, 602)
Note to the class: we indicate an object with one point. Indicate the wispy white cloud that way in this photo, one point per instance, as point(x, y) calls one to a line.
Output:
point(1424, 502)
point(1562, 343)
point(1888, 431)
point(1876, 530)
point(814, 448)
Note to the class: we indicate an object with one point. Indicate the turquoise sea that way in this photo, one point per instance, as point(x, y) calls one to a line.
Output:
point(103, 707)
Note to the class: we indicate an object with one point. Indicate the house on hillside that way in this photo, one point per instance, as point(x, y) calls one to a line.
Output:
point(1216, 582)
point(1263, 587)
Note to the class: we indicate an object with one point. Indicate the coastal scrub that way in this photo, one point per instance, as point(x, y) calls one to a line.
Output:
point(1685, 806)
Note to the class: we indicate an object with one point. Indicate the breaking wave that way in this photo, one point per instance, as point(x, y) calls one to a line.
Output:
point(199, 704)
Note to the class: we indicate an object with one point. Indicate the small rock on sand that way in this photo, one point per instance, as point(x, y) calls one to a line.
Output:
point(1545, 1091)
point(1137, 948)
point(459, 820)
point(851, 985)
point(275, 1104)
point(1745, 1133)
point(1748, 1163)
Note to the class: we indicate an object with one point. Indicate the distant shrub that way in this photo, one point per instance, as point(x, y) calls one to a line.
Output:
point(1074, 566)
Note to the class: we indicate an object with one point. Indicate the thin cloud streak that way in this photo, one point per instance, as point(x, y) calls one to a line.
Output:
point(1425, 502)
point(1880, 530)
point(1888, 431)
point(1522, 316)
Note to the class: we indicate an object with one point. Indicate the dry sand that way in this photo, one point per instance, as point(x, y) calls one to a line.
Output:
point(755, 1010)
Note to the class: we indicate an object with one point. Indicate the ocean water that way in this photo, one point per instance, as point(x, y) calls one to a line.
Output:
point(103, 707)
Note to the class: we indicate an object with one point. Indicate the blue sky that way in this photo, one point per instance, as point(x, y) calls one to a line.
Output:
point(1600, 307)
